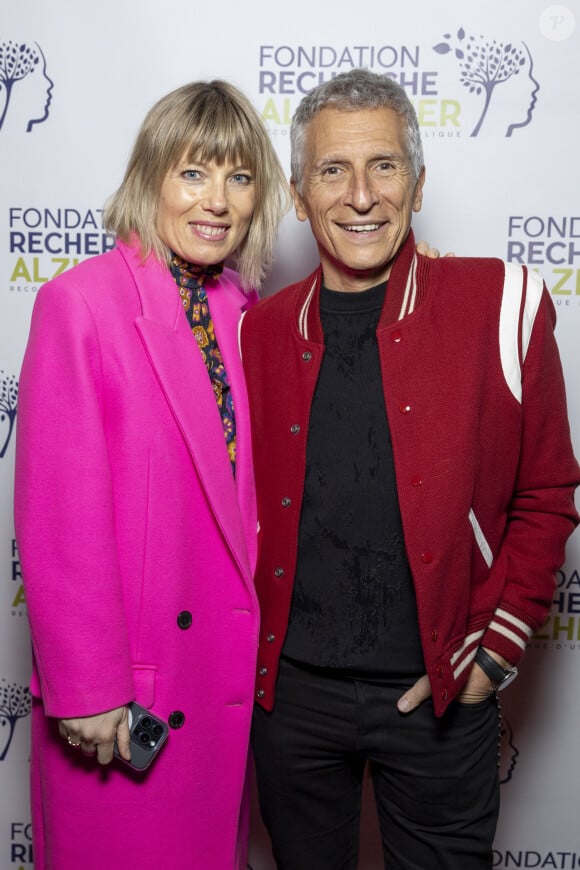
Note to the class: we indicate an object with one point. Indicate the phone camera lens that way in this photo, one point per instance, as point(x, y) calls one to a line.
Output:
point(146, 722)
point(144, 738)
point(157, 731)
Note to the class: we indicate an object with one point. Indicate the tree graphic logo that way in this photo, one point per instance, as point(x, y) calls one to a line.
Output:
point(484, 64)
point(8, 404)
point(15, 704)
point(24, 65)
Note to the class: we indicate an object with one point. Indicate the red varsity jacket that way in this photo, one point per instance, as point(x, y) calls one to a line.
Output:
point(484, 464)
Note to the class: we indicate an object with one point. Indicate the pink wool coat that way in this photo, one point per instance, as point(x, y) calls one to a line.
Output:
point(137, 547)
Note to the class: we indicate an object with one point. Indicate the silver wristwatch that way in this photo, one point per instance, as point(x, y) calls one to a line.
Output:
point(500, 677)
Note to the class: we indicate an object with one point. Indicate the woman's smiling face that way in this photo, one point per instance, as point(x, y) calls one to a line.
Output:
point(205, 210)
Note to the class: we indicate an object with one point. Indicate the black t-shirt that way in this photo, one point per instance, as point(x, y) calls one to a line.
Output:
point(353, 604)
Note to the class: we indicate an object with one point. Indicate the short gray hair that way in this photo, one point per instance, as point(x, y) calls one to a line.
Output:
point(349, 92)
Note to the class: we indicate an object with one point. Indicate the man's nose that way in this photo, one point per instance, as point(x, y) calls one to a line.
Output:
point(362, 191)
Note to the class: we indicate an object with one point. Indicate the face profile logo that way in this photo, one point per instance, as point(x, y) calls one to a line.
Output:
point(508, 752)
point(8, 406)
point(484, 66)
point(24, 83)
point(15, 704)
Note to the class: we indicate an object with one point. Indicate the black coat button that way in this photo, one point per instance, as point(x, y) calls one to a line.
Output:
point(184, 619)
point(176, 719)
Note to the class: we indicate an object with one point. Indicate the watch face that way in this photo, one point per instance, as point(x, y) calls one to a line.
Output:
point(509, 678)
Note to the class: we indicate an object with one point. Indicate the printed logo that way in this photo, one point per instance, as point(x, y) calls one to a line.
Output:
point(556, 859)
point(508, 753)
point(8, 403)
point(287, 72)
point(21, 844)
point(484, 66)
point(498, 77)
point(18, 599)
point(46, 241)
point(24, 82)
point(550, 243)
point(561, 630)
point(15, 704)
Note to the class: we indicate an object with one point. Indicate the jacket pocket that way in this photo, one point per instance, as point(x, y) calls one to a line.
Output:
point(144, 678)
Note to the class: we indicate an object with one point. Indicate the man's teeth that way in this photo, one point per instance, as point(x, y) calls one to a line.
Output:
point(362, 228)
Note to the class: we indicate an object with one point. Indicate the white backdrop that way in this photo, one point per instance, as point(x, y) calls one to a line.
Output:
point(495, 85)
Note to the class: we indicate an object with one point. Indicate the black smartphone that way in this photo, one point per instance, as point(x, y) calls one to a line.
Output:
point(148, 734)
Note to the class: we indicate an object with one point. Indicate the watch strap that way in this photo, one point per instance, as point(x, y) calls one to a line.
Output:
point(493, 669)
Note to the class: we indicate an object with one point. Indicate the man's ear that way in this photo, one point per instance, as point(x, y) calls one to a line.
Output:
point(299, 208)
point(418, 195)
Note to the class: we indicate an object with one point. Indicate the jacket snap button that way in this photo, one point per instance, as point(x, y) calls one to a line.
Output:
point(278, 572)
point(306, 356)
point(176, 719)
point(286, 502)
point(260, 693)
point(295, 428)
point(404, 408)
point(396, 336)
point(434, 635)
point(427, 557)
point(271, 638)
point(263, 672)
point(184, 619)
point(416, 480)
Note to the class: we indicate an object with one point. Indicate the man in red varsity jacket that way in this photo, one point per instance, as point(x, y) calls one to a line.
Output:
point(415, 483)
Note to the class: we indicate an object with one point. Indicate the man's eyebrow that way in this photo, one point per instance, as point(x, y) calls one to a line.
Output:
point(393, 156)
point(330, 159)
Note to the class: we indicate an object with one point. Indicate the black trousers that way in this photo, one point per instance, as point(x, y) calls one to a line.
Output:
point(435, 781)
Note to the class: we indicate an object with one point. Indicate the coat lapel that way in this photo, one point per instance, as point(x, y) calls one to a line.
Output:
point(183, 378)
point(226, 303)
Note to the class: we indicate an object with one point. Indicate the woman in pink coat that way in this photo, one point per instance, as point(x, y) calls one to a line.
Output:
point(135, 509)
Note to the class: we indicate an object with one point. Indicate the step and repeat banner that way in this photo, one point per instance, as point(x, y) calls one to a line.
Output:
point(495, 86)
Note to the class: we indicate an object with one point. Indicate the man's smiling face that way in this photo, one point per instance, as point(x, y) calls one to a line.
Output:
point(358, 191)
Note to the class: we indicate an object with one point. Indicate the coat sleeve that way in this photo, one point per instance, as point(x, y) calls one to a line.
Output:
point(64, 516)
point(541, 514)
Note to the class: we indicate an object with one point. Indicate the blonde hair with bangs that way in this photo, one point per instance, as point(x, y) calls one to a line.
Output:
point(206, 121)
